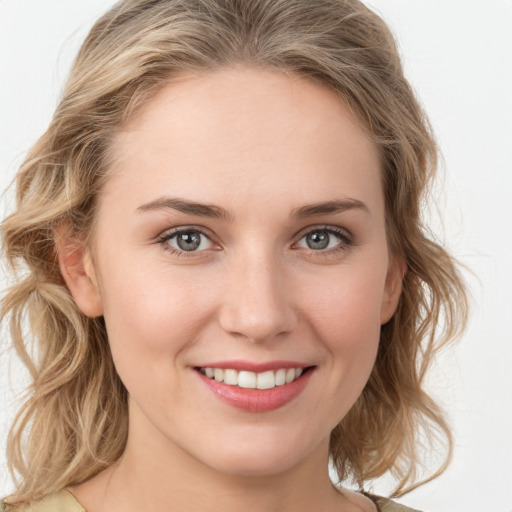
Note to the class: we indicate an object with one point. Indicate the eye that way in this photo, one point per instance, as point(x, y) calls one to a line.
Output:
point(323, 239)
point(187, 240)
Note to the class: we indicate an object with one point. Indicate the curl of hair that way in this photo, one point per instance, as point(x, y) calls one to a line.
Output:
point(73, 423)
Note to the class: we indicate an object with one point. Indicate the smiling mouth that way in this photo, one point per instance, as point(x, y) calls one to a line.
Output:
point(253, 380)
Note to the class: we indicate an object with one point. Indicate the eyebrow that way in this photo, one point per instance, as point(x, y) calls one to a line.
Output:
point(217, 212)
point(186, 206)
point(329, 208)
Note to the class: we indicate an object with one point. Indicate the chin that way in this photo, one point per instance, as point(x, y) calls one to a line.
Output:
point(259, 455)
point(256, 466)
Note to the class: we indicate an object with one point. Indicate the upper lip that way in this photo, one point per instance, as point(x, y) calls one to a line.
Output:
point(249, 366)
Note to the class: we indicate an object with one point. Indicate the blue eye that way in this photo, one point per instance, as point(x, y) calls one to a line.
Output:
point(187, 240)
point(324, 239)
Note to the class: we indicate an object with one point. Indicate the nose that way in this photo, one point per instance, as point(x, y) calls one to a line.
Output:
point(256, 304)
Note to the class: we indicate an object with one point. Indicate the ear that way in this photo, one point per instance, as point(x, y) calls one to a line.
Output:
point(392, 288)
point(77, 269)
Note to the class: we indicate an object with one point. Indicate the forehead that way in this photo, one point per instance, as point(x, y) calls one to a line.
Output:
point(246, 130)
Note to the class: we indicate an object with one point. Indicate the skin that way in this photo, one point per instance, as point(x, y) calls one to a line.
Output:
point(261, 145)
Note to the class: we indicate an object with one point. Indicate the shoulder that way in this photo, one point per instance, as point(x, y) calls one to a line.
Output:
point(387, 505)
point(62, 501)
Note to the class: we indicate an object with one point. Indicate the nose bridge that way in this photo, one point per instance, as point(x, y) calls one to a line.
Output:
point(256, 305)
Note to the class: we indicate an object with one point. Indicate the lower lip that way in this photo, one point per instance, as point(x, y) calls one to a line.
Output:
point(257, 400)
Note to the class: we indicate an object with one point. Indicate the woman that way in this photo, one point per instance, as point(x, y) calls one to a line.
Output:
point(228, 278)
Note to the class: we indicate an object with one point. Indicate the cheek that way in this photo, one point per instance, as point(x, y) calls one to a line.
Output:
point(346, 318)
point(151, 316)
point(348, 302)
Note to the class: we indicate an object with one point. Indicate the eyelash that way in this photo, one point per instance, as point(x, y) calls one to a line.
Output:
point(345, 240)
point(168, 235)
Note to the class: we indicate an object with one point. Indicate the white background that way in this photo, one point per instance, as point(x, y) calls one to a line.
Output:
point(458, 56)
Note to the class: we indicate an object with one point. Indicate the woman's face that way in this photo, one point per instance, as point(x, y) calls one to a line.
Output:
point(242, 230)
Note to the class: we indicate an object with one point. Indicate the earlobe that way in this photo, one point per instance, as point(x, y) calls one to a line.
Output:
point(392, 289)
point(77, 269)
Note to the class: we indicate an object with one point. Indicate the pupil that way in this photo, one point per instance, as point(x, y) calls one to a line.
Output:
point(189, 241)
point(318, 240)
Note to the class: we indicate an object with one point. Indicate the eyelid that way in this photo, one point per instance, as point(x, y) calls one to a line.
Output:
point(169, 233)
point(342, 232)
point(186, 227)
point(346, 238)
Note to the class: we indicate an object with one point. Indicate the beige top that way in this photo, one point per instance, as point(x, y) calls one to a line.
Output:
point(64, 501)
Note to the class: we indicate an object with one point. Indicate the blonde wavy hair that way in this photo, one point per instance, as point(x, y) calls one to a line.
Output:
point(73, 423)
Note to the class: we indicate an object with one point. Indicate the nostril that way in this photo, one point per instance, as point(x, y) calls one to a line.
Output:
point(257, 324)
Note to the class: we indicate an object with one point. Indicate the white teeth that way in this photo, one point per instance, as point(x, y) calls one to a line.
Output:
point(252, 380)
point(246, 379)
point(266, 380)
point(280, 377)
point(290, 375)
point(231, 377)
